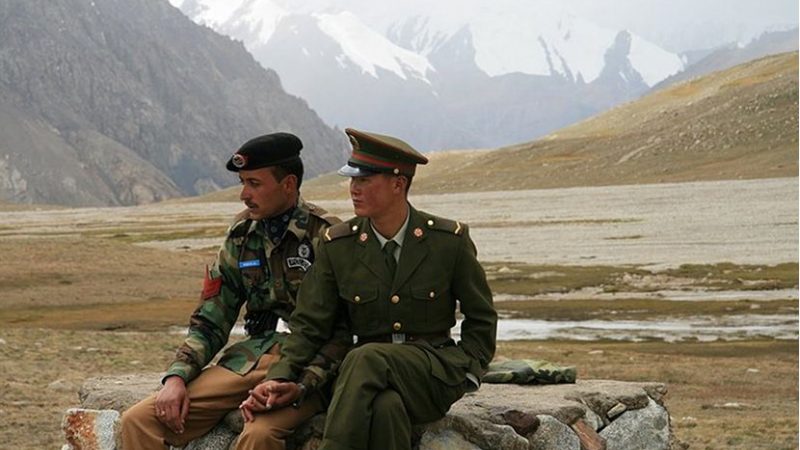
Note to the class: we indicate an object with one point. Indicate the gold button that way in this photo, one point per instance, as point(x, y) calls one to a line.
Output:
point(356, 299)
point(430, 223)
point(432, 295)
point(397, 326)
point(355, 228)
point(395, 299)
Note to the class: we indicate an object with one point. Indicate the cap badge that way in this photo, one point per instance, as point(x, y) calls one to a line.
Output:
point(363, 237)
point(418, 232)
point(239, 160)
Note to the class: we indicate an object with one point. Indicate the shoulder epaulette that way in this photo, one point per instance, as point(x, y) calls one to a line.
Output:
point(339, 230)
point(240, 225)
point(446, 225)
point(323, 214)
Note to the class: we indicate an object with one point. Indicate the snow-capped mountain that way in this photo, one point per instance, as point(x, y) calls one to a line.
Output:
point(477, 75)
point(535, 38)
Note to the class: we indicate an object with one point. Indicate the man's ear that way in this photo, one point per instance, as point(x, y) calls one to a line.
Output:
point(400, 183)
point(290, 182)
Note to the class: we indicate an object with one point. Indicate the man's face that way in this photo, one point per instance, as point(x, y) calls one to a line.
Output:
point(263, 195)
point(374, 195)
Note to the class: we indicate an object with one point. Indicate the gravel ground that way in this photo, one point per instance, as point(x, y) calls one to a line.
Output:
point(656, 225)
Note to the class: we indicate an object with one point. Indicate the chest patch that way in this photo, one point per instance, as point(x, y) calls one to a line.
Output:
point(297, 262)
point(250, 263)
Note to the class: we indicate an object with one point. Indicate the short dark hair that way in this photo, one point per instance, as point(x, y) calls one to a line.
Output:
point(408, 183)
point(294, 167)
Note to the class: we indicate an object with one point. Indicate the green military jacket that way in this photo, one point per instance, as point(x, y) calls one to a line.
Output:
point(437, 268)
point(264, 276)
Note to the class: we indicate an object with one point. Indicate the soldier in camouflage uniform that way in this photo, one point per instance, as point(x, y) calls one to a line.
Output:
point(266, 254)
point(396, 274)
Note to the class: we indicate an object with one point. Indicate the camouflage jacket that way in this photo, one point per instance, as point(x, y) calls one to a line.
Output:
point(529, 371)
point(263, 273)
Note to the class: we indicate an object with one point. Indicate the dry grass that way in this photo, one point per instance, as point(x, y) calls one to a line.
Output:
point(532, 279)
point(87, 304)
point(639, 309)
point(83, 271)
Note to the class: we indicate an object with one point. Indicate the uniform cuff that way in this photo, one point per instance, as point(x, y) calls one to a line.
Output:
point(280, 371)
point(180, 369)
point(472, 382)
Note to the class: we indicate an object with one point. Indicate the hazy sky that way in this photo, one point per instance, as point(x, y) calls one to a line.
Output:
point(680, 25)
point(676, 25)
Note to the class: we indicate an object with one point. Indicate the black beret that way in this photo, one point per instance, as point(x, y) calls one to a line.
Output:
point(264, 151)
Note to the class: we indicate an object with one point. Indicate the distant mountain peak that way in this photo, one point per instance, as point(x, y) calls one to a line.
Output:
point(476, 75)
point(369, 49)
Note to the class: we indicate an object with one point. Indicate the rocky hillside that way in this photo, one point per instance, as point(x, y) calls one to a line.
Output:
point(110, 102)
point(728, 56)
point(736, 124)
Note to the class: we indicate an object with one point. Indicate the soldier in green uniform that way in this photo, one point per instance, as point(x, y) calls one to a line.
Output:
point(396, 275)
point(268, 251)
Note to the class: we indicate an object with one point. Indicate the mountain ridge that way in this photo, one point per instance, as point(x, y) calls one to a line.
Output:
point(138, 103)
point(444, 82)
point(740, 123)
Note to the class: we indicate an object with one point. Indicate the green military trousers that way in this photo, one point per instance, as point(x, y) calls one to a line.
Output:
point(383, 389)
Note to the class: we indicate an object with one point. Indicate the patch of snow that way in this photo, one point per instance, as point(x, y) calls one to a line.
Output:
point(369, 49)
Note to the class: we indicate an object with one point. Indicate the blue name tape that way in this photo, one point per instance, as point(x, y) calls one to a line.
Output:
point(251, 263)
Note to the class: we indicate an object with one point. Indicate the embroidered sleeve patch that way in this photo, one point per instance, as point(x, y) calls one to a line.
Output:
point(211, 287)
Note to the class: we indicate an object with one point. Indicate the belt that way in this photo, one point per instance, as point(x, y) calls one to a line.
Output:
point(400, 338)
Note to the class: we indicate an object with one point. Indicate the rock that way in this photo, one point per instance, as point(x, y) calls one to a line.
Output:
point(445, 440)
point(618, 409)
point(593, 420)
point(588, 437)
point(90, 429)
point(647, 427)
point(498, 416)
point(220, 437)
point(118, 393)
point(477, 430)
point(554, 435)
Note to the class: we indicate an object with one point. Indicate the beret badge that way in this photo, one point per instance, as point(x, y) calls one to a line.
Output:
point(239, 160)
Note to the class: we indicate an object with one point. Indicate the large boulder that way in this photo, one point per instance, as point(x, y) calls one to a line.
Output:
point(587, 415)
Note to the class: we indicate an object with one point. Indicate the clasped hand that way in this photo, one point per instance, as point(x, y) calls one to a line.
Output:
point(172, 404)
point(271, 394)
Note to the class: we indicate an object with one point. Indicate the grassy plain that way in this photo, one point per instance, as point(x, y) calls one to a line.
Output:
point(75, 307)
point(95, 292)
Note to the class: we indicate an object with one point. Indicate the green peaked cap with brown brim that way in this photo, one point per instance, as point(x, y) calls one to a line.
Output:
point(376, 153)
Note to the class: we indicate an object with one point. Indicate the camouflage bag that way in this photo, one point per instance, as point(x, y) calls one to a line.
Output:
point(529, 371)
